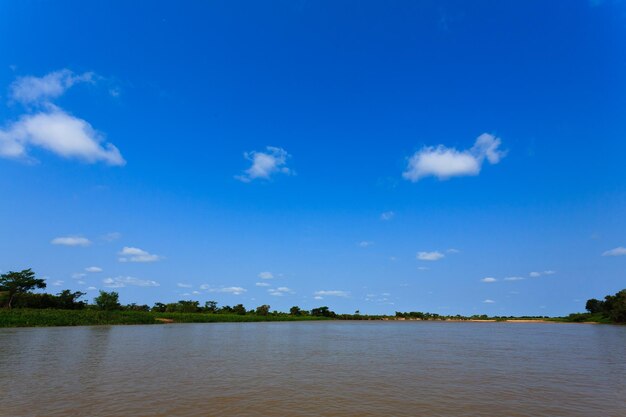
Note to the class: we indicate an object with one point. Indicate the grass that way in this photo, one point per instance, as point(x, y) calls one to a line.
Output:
point(49, 317)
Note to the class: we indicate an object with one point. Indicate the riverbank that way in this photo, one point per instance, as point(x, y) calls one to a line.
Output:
point(51, 317)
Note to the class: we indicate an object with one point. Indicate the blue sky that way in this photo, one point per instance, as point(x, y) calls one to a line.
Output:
point(450, 157)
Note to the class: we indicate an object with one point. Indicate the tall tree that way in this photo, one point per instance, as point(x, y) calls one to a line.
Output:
point(108, 301)
point(14, 283)
point(263, 310)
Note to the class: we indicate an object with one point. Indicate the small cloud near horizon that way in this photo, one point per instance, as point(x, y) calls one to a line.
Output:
point(132, 254)
point(125, 281)
point(430, 256)
point(71, 241)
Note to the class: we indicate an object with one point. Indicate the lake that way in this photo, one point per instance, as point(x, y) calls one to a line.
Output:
point(315, 368)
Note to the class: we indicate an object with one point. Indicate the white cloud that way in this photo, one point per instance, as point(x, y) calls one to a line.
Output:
point(443, 163)
point(488, 279)
point(121, 282)
point(266, 275)
point(57, 283)
point(182, 285)
point(387, 215)
point(60, 133)
point(91, 288)
point(513, 278)
point(423, 268)
point(78, 275)
point(71, 241)
point(331, 293)
point(93, 269)
point(265, 164)
point(31, 89)
point(227, 290)
point(280, 291)
point(430, 256)
point(130, 254)
point(317, 297)
point(262, 284)
point(619, 251)
point(453, 251)
point(50, 127)
point(549, 272)
point(535, 274)
point(365, 244)
point(488, 301)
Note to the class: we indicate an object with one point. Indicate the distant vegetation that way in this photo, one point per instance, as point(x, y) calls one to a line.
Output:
point(20, 306)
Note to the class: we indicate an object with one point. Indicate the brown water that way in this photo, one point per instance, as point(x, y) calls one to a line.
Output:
point(315, 368)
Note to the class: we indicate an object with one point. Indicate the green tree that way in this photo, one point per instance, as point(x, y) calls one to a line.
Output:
point(295, 311)
point(159, 307)
point(108, 301)
point(239, 309)
point(210, 307)
point(68, 300)
point(263, 310)
point(14, 283)
point(594, 306)
point(323, 312)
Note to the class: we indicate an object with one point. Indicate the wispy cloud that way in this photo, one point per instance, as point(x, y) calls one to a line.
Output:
point(387, 215)
point(131, 254)
point(262, 284)
point(537, 274)
point(280, 291)
point(50, 127)
point(488, 280)
point(513, 278)
point(453, 251)
point(365, 243)
point(122, 281)
point(183, 285)
point(430, 256)
point(265, 164)
point(93, 269)
point(444, 163)
point(71, 241)
point(57, 283)
point(331, 293)
point(227, 290)
point(488, 301)
point(266, 275)
point(619, 251)
point(29, 89)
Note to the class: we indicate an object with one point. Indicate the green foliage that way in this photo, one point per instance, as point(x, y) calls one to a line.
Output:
point(239, 309)
point(263, 310)
point(613, 308)
point(183, 306)
point(210, 307)
point(323, 312)
point(295, 311)
point(14, 283)
point(66, 300)
point(108, 301)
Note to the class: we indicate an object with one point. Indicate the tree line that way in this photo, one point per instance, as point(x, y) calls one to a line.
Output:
point(16, 291)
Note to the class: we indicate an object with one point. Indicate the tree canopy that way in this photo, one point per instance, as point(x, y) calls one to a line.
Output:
point(14, 283)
